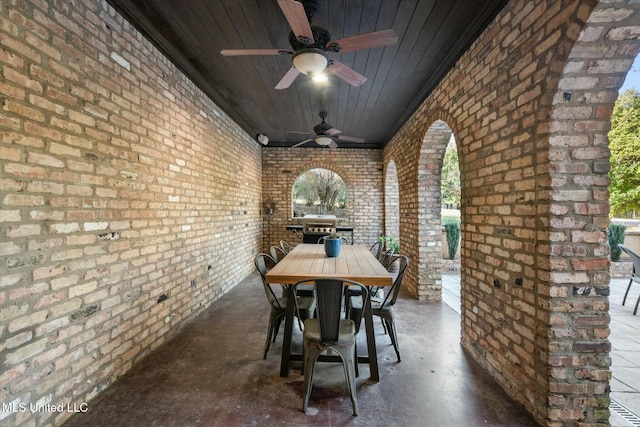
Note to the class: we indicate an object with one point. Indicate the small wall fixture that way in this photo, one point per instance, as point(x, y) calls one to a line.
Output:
point(263, 139)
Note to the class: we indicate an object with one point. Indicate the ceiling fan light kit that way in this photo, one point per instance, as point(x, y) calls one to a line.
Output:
point(320, 77)
point(310, 61)
point(323, 140)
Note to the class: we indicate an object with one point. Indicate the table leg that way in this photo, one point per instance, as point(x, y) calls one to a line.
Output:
point(371, 340)
point(288, 332)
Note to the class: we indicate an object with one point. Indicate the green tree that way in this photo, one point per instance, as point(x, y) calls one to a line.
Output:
point(450, 179)
point(624, 144)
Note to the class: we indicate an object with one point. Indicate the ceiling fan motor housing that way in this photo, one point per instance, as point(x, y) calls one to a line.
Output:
point(323, 127)
point(321, 38)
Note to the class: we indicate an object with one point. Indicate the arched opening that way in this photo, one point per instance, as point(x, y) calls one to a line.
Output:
point(450, 189)
point(319, 191)
point(434, 145)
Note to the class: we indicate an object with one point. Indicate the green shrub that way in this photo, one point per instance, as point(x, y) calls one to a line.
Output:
point(616, 237)
point(450, 220)
point(452, 231)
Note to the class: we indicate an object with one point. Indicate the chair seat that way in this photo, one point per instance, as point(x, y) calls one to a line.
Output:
point(346, 333)
point(305, 303)
point(376, 304)
point(305, 290)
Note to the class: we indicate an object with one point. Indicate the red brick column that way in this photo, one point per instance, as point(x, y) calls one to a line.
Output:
point(574, 284)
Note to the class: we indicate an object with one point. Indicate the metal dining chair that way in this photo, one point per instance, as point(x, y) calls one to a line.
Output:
point(277, 253)
point(330, 332)
point(305, 305)
point(383, 306)
point(376, 249)
point(286, 247)
point(635, 274)
point(386, 258)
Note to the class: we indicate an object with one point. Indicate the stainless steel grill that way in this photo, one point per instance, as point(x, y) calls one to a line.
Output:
point(316, 226)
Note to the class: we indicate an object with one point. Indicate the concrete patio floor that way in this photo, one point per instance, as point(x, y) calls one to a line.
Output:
point(212, 374)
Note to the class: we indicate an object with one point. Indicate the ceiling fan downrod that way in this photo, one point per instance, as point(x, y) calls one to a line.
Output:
point(311, 7)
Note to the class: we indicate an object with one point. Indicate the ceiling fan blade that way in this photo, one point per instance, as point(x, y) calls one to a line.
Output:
point(350, 138)
point(332, 131)
point(288, 78)
point(347, 74)
point(333, 145)
point(364, 41)
point(244, 52)
point(297, 19)
point(303, 142)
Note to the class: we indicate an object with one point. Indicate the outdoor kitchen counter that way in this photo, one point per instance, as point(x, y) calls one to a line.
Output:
point(299, 228)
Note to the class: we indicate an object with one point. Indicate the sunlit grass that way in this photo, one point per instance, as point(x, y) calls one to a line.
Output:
point(450, 216)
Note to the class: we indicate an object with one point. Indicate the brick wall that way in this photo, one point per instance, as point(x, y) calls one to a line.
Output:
point(529, 105)
point(361, 171)
point(121, 184)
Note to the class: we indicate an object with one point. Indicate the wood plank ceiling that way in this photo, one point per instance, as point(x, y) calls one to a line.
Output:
point(432, 35)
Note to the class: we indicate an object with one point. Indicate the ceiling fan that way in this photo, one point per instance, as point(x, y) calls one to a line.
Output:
point(310, 44)
point(327, 135)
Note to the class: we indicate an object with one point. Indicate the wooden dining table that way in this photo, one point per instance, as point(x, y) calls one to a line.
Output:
point(307, 261)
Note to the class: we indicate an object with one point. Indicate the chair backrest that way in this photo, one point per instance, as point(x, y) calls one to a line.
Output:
point(329, 297)
point(286, 247)
point(635, 259)
point(387, 258)
point(263, 262)
point(392, 295)
point(376, 248)
point(277, 253)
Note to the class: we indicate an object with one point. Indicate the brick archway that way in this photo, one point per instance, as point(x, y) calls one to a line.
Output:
point(429, 274)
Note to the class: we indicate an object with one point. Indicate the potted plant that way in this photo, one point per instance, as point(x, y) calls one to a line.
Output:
point(332, 245)
point(390, 242)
